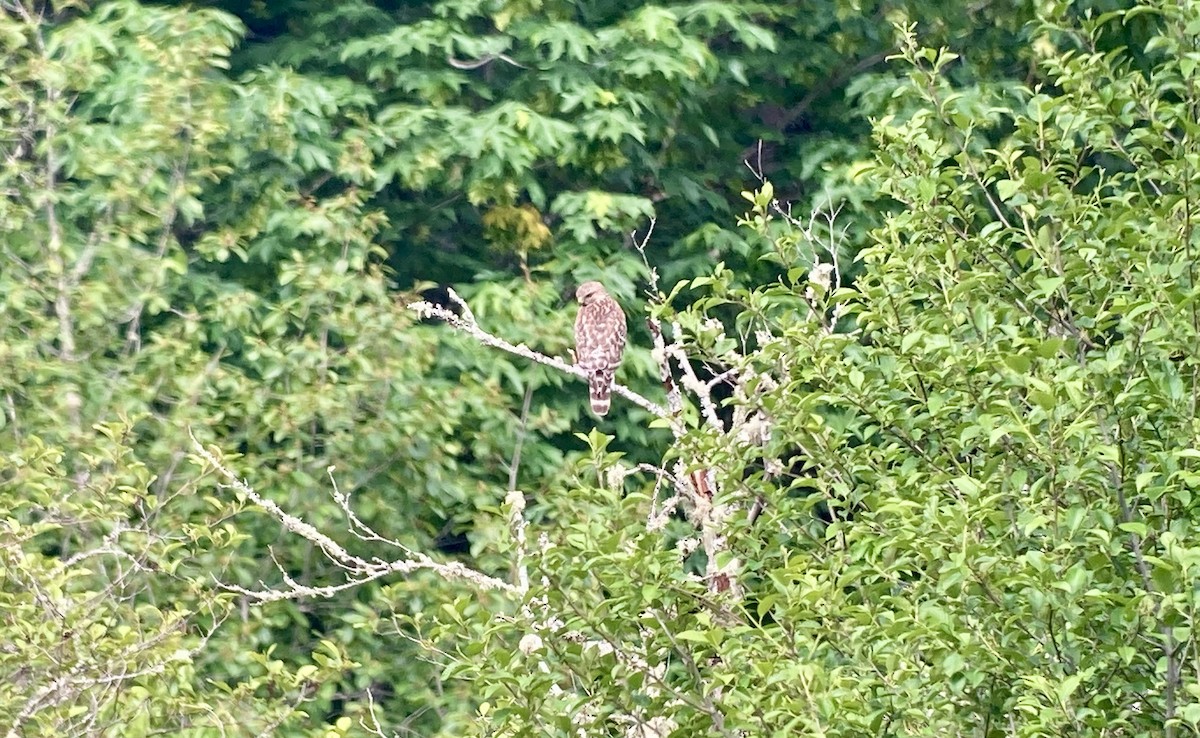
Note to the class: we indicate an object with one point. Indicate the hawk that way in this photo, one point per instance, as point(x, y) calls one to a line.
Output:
point(599, 341)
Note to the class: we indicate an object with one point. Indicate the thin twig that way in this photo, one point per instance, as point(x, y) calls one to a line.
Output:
point(477, 63)
point(360, 529)
point(659, 350)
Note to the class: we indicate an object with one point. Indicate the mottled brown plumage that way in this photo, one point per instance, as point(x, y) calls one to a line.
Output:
point(599, 341)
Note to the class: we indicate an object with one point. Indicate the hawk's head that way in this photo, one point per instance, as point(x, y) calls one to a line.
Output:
point(589, 292)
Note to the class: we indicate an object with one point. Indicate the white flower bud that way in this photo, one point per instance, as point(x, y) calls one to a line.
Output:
point(530, 643)
point(821, 277)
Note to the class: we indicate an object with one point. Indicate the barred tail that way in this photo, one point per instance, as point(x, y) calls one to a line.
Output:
point(600, 388)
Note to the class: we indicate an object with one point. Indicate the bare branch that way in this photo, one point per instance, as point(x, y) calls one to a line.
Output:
point(360, 570)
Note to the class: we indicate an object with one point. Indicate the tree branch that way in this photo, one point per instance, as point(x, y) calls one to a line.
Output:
point(466, 323)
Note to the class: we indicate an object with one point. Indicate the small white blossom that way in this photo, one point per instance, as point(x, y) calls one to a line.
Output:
point(772, 468)
point(615, 477)
point(821, 276)
point(755, 431)
point(685, 546)
point(530, 643)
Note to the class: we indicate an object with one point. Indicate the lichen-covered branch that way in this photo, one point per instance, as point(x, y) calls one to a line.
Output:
point(466, 323)
point(360, 570)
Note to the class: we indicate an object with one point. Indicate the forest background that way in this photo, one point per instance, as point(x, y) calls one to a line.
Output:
point(909, 439)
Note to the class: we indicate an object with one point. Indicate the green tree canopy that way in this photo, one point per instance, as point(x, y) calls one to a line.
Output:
point(941, 484)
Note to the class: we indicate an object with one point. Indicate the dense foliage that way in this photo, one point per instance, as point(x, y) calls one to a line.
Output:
point(979, 495)
point(924, 464)
point(497, 130)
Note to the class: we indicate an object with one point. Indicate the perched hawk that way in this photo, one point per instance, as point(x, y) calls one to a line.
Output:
point(599, 341)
